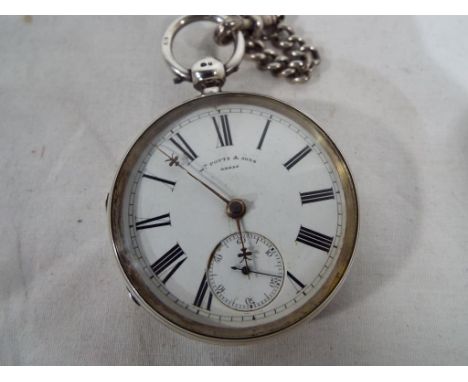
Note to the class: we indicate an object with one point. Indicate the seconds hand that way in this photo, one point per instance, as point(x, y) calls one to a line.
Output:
point(174, 160)
point(257, 272)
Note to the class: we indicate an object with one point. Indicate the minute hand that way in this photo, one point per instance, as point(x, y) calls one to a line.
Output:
point(177, 163)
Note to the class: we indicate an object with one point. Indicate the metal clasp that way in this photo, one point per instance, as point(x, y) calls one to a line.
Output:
point(208, 74)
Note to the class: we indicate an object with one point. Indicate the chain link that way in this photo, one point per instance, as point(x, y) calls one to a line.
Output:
point(292, 59)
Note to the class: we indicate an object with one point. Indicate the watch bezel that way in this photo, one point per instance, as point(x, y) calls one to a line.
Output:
point(169, 315)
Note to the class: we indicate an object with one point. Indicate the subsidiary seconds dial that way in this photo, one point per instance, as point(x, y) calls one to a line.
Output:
point(246, 282)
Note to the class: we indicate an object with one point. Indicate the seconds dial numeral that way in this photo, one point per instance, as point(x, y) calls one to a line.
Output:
point(183, 146)
point(201, 294)
point(168, 263)
point(296, 158)
point(314, 239)
point(157, 221)
point(223, 131)
point(317, 196)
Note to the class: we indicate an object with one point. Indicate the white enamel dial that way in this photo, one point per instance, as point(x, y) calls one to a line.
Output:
point(185, 246)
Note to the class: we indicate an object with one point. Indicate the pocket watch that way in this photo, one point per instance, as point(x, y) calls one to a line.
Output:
point(234, 216)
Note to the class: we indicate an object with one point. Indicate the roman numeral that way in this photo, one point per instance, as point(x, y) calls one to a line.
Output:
point(202, 289)
point(317, 196)
point(295, 281)
point(314, 239)
point(183, 146)
point(162, 180)
point(158, 221)
point(296, 158)
point(174, 258)
point(224, 134)
point(262, 138)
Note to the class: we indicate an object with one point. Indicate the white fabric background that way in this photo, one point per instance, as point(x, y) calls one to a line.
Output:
point(76, 91)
